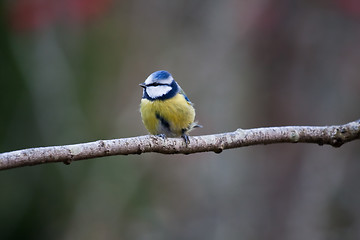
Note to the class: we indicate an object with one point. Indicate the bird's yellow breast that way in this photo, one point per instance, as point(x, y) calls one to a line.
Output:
point(176, 111)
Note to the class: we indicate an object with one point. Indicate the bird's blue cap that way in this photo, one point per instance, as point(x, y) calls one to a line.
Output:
point(162, 74)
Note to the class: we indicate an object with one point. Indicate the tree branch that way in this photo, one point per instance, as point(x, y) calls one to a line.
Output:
point(331, 135)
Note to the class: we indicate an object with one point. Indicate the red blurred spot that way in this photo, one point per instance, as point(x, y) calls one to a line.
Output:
point(84, 10)
point(30, 15)
point(351, 7)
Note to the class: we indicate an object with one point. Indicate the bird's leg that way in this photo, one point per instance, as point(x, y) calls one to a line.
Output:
point(186, 138)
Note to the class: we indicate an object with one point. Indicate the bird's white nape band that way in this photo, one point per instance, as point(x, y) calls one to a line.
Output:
point(157, 91)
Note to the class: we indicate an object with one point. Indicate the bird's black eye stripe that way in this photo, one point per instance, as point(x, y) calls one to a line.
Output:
point(155, 84)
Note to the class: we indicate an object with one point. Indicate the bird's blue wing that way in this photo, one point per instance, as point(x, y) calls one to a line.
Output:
point(187, 99)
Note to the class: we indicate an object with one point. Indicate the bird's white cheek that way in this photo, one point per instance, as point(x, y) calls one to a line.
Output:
point(158, 91)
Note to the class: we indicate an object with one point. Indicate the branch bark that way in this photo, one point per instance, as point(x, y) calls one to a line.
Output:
point(332, 135)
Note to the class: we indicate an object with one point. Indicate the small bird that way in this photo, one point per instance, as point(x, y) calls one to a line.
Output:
point(165, 109)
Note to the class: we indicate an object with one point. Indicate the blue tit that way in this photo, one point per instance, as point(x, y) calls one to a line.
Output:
point(165, 109)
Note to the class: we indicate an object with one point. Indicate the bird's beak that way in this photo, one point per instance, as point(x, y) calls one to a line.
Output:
point(142, 85)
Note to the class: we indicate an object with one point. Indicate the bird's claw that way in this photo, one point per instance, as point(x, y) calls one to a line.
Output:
point(163, 136)
point(186, 138)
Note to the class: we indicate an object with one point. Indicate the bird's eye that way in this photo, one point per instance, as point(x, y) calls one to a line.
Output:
point(154, 84)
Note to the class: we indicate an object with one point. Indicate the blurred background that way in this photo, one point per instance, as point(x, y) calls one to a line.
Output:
point(70, 72)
